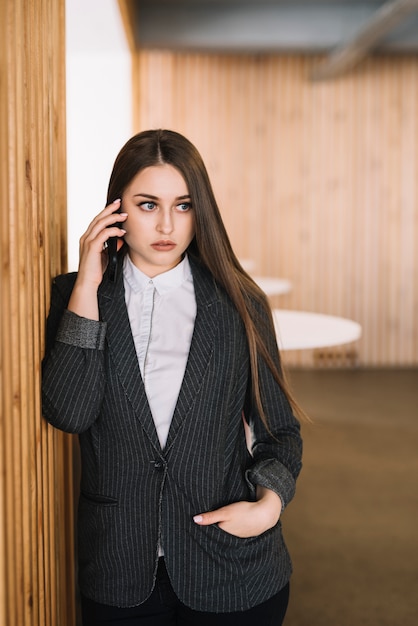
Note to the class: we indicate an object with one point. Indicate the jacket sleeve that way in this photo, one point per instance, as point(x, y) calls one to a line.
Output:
point(276, 450)
point(73, 380)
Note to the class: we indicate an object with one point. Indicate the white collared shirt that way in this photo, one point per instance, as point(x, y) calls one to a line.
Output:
point(162, 312)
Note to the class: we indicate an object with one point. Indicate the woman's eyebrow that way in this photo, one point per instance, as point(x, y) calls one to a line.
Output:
point(151, 197)
point(145, 195)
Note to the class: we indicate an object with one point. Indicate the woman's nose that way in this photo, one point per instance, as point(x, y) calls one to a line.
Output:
point(165, 222)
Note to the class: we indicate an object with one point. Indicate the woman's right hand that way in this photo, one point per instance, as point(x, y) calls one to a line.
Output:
point(93, 260)
point(93, 257)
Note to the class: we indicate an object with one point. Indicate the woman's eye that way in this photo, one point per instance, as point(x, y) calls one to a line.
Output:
point(184, 206)
point(147, 206)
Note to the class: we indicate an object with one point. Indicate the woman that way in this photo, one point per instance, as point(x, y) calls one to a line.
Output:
point(178, 522)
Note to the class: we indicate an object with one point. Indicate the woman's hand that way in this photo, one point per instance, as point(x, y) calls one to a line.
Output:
point(94, 259)
point(246, 519)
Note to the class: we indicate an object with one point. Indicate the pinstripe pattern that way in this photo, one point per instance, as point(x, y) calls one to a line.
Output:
point(134, 493)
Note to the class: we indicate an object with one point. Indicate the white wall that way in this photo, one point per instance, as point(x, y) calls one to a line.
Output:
point(99, 117)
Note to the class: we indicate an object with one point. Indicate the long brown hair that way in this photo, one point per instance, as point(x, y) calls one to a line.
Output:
point(211, 245)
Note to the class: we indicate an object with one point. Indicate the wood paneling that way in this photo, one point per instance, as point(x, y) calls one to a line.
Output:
point(36, 538)
point(316, 180)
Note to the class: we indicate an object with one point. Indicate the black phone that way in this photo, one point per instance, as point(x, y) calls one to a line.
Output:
point(112, 251)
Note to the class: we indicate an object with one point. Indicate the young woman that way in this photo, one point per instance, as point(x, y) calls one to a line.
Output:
point(178, 521)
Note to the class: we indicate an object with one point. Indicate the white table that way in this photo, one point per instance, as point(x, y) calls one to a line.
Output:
point(273, 286)
point(300, 330)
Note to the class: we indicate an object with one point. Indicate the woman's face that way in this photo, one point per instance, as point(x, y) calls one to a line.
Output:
point(160, 222)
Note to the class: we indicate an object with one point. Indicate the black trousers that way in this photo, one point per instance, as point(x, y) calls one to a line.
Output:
point(163, 608)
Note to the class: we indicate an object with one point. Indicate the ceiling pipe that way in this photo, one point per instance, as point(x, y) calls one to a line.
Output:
point(345, 57)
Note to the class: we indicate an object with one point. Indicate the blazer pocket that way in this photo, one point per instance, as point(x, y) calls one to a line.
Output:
point(243, 541)
point(99, 498)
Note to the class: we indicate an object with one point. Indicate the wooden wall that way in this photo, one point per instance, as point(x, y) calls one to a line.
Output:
point(317, 182)
point(36, 545)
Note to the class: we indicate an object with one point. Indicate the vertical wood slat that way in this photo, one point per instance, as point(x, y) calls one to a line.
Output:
point(36, 543)
point(316, 181)
point(128, 14)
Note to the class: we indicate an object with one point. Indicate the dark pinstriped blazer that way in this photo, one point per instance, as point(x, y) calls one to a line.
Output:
point(133, 493)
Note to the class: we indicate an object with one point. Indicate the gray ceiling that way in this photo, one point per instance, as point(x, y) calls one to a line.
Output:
point(308, 26)
point(347, 31)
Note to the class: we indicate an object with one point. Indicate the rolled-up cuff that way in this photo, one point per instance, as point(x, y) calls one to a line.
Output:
point(81, 332)
point(270, 473)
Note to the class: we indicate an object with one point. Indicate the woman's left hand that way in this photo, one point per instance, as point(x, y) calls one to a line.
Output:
point(245, 519)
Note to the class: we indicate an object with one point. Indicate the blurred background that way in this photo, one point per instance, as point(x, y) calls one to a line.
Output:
point(316, 177)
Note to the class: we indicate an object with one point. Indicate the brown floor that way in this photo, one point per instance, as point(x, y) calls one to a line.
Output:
point(352, 529)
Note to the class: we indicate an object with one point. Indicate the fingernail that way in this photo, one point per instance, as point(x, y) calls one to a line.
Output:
point(198, 518)
point(116, 201)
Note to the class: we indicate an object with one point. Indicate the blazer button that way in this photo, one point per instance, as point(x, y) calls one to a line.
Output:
point(159, 465)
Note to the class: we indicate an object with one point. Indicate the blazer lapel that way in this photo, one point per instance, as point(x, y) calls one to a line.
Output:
point(121, 346)
point(200, 349)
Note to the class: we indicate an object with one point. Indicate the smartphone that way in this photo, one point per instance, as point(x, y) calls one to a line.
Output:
point(112, 251)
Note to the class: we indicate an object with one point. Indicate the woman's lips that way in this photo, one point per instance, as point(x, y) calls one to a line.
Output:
point(163, 246)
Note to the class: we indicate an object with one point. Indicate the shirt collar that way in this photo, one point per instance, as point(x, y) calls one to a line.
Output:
point(163, 283)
